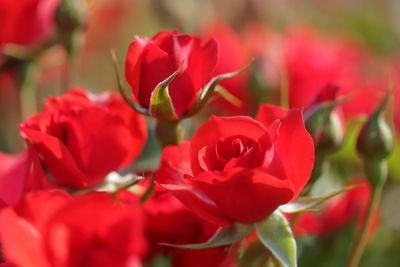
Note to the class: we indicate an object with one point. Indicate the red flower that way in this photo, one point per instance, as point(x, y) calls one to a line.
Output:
point(24, 22)
point(151, 61)
point(233, 164)
point(308, 61)
point(80, 138)
point(50, 228)
point(311, 62)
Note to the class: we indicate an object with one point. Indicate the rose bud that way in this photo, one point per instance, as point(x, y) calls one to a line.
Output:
point(323, 120)
point(70, 18)
point(69, 15)
point(80, 138)
point(233, 164)
point(150, 61)
point(375, 140)
point(374, 144)
point(51, 228)
point(172, 75)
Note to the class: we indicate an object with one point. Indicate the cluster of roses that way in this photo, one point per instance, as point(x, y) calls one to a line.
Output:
point(63, 204)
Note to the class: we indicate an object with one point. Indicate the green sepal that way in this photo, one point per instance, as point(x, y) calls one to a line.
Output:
point(161, 105)
point(375, 140)
point(209, 89)
point(122, 90)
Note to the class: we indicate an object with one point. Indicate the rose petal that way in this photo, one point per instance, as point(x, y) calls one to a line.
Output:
point(57, 157)
point(13, 174)
point(133, 63)
point(294, 148)
point(245, 196)
point(21, 242)
point(90, 148)
point(173, 176)
point(219, 127)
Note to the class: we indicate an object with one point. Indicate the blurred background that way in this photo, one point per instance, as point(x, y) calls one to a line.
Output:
point(355, 43)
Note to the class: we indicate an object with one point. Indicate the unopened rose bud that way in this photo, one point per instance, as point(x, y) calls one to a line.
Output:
point(70, 19)
point(172, 74)
point(323, 121)
point(70, 15)
point(375, 140)
point(326, 129)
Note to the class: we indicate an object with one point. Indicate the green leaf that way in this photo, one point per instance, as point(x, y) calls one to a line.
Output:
point(223, 236)
point(275, 234)
point(160, 101)
point(306, 203)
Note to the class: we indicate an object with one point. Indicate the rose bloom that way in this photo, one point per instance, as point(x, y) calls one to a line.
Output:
point(25, 22)
point(80, 138)
point(51, 228)
point(239, 169)
point(149, 61)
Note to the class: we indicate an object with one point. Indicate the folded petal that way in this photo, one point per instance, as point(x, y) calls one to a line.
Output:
point(294, 148)
point(57, 158)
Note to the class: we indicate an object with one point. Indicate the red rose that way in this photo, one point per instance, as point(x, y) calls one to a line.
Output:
point(312, 61)
point(24, 22)
point(151, 61)
point(50, 228)
point(237, 169)
point(308, 61)
point(80, 138)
